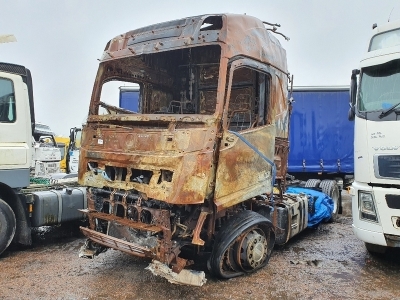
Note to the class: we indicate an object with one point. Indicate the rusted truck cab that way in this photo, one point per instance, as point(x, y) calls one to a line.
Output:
point(194, 167)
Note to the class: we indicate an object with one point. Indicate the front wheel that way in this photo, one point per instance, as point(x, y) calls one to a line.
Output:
point(244, 245)
point(7, 225)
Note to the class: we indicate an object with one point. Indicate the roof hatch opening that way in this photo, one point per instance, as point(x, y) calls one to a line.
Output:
point(212, 23)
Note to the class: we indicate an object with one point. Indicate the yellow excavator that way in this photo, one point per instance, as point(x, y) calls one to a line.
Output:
point(62, 144)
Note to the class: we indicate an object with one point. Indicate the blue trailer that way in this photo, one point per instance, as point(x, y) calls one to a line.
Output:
point(321, 137)
point(129, 98)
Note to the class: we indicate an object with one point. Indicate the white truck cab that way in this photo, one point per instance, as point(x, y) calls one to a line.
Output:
point(375, 108)
point(16, 115)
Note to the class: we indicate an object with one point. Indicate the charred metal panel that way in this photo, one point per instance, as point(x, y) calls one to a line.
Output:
point(242, 35)
point(281, 157)
point(241, 172)
point(120, 154)
point(279, 110)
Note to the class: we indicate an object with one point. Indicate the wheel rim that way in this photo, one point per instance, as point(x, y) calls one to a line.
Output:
point(243, 245)
point(252, 250)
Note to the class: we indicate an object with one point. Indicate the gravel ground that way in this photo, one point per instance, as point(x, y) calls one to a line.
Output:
point(324, 263)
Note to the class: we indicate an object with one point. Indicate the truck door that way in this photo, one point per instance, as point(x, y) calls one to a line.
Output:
point(15, 131)
point(248, 142)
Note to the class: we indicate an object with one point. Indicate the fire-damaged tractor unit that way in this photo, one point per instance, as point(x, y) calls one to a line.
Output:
point(191, 173)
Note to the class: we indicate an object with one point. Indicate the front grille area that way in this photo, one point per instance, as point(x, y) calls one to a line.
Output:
point(388, 166)
point(393, 201)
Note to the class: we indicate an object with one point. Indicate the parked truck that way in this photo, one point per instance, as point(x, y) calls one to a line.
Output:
point(129, 97)
point(192, 172)
point(375, 110)
point(321, 139)
point(22, 205)
point(46, 154)
point(74, 146)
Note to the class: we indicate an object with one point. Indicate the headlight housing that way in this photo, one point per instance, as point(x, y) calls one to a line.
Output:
point(366, 206)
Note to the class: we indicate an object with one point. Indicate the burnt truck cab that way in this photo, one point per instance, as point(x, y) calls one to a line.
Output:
point(196, 165)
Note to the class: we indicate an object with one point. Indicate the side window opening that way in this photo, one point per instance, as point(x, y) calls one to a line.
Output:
point(7, 101)
point(249, 99)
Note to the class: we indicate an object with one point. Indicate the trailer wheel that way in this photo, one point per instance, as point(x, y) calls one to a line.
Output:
point(7, 225)
point(244, 245)
point(331, 188)
point(312, 183)
point(375, 249)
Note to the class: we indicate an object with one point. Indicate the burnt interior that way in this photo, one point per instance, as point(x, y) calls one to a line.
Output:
point(249, 99)
point(171, 82)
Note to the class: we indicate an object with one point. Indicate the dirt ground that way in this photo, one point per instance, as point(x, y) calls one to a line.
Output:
point(324, 263)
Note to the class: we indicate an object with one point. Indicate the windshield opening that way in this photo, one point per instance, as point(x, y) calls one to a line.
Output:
point(61, 146)
point(379, 87)
point(181, 81)
point(78, 139)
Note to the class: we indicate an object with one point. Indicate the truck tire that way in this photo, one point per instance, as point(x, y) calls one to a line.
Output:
point(243, 245)
point(7, 225)
point(331, 188)
point(312, 183)
point(375, 249)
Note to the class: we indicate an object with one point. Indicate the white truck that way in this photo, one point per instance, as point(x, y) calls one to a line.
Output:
point(46, 156)
point(22, 205)
point(375, 109)
point(74, 146)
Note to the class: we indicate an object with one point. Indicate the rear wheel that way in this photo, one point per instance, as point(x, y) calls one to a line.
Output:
point(312, 183)
point(244, 245)
point(331, 188)
point(7, 225)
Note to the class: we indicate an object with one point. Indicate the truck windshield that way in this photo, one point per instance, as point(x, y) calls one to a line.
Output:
point(380, 87)
point(78, 138)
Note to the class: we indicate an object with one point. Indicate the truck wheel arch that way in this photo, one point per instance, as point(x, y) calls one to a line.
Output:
point(7, 225)
point(23, 225)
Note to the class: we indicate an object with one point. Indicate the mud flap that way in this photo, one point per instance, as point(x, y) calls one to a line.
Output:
point(186, 277)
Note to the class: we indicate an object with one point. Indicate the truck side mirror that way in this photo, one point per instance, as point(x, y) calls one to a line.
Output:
point(353, 94)
point(351, 114)
point(71, 134)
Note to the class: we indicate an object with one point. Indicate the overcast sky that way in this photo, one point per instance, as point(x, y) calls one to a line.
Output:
point(60, 41)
